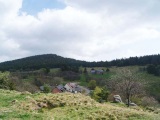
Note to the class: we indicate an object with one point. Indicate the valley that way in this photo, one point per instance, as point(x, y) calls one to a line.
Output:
point(80, 92)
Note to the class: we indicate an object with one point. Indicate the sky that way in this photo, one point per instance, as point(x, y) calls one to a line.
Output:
point(91, 30)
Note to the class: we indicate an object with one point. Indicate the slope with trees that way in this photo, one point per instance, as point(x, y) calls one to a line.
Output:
point(55, 61)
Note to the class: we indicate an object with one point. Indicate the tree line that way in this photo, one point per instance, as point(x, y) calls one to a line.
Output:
point(55, 61)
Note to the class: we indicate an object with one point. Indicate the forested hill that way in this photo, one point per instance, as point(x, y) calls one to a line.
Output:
point(39, 61)
point(53, 61)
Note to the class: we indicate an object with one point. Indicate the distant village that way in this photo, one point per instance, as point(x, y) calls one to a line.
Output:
point(69, 87)
point(73, 87)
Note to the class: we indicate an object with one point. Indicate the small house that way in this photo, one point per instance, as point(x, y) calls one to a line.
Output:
point(72, 87)
point(78, 89)
point(68, 87)
point(56, 90)
point(61, 87)
point(93, 71)
point(99, 71)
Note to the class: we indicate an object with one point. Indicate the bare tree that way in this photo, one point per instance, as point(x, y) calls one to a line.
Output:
point(128, 84)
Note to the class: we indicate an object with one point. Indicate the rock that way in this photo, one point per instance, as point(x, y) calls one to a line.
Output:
point(132, 104)
point(117, 99)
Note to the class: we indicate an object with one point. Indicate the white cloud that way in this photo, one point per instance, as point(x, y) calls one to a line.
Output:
point(84, 29)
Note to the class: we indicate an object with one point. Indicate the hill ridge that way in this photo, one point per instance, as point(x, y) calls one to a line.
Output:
point(53, 61)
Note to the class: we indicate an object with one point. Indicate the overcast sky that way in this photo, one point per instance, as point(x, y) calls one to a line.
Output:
point(91, 30)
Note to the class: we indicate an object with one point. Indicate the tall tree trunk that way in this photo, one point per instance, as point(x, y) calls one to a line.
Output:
point(128, 100)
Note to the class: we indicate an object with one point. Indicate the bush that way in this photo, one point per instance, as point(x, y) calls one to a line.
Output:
point(107, 70)
point(4, 80)
point(100, 94)
point(37, 82)
point(92, 84)
point(47, 88)
point(149, 101)
point(153, 69)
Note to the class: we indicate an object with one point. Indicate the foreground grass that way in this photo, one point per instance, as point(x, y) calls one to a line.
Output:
point(25, 106)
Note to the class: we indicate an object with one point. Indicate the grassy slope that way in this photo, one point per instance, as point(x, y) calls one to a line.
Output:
point(16, 106)
point(153, 86)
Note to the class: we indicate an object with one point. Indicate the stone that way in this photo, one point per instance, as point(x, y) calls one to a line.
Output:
point(132, 104)
point(117, 99)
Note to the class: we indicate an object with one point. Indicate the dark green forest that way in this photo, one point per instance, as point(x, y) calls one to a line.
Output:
point(55, 61)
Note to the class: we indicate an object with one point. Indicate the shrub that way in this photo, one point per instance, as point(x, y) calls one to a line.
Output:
point(92, 84)
point(107, 70)
point(149, 101)
point(100, 94)
point(4, 80)
point(47, 88)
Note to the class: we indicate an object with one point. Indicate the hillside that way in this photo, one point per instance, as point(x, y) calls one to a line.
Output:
point(37, 62)
point(16, 105)
point(55, 61)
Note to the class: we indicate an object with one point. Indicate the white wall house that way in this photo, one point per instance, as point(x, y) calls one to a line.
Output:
point(68, 88)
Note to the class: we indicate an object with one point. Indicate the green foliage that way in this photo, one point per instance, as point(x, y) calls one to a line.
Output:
point(47, 88)
point(104, 94)
point(86, 77)
point(83, 80)
point(37, 82)
point(107, 70)
point(38, 62)
point(66, 67)
point(11, 86)
point(96, 94)
point(153, 69)
point(55, 61)
point(152, 86)
point(85, 70)
point(4, 81)
point(92, 84)
point(100, 94)
point(81, 69)
point(70, 75)
point(45, 70)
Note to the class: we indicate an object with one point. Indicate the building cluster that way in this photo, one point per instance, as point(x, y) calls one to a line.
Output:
point(93, 71)
point(69, 87)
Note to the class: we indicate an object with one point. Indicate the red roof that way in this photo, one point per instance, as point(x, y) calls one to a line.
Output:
point(72, 85)
point(56, 90)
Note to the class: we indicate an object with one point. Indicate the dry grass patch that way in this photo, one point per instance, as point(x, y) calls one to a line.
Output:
point(64, 106)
